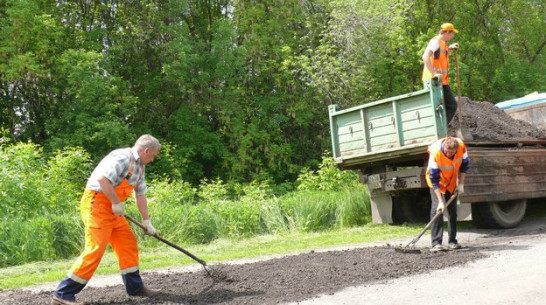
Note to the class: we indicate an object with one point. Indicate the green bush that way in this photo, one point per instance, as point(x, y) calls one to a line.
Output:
point(213, 191)
point(165, 193)
point(21, 177)
point(327, 177)
point(354, 207)
point(67, 173)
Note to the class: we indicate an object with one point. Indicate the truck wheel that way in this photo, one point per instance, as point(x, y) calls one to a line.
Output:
point(502, 214)
point(411, 207)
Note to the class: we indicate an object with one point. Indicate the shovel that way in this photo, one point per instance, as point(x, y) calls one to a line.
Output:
point(200, 261)
point(409, 247)
point(459, 132)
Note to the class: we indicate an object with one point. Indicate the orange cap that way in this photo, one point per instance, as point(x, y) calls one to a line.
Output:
point(448, 27)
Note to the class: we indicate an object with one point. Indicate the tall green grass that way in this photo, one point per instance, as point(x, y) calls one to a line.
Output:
point(39, 238)
point(40, 198)
point(304, 211)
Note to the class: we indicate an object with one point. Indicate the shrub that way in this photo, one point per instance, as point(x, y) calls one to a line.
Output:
point(213, 191)
point(66, 177)
point(327, 177)
point(21, 177)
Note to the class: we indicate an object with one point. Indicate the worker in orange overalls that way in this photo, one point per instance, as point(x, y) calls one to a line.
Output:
point(446, 172)
point(436, 60)
point(102, 211)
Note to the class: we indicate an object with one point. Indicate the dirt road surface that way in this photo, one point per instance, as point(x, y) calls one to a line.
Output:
point(497, 267)
point(513, 273)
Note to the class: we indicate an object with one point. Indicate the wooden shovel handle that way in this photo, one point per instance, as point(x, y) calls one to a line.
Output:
point(143, 227)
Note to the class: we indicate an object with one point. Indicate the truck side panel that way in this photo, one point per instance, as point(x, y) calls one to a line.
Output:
point(534, 114)
point(501, 174)
point(375, 131)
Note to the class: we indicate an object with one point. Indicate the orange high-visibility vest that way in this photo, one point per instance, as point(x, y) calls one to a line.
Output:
point(449, 168)
point(440, 62)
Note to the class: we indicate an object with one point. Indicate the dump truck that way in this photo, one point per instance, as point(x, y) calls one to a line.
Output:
point(387, 142)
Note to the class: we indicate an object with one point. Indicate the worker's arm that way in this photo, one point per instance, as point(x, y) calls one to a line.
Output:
point(460, 186)
point(439, 195)
point(426, 59)
point(441, 203)
point(462, 172)
point(428, 64)
point(428, 54)
point(462, 177)
point(142, 204)
point(107, 188)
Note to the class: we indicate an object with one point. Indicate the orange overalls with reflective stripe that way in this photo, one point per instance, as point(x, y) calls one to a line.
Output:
point(102, 227)
point(440, 62)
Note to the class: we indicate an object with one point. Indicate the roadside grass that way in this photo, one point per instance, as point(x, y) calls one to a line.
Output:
point(220, 250)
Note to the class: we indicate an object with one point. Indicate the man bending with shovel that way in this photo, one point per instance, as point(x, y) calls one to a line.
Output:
point(102, 211)
point(446, 172)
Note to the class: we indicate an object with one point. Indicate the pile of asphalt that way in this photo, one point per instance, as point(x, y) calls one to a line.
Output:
point(488, 123)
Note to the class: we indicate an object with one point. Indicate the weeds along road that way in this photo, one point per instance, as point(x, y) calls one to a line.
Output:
point(514, 273)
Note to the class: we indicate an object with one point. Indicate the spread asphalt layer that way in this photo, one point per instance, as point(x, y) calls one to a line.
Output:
point(495, 267)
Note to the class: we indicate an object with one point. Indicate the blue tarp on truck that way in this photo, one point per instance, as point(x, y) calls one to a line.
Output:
point(530, 108)
point(529, 99)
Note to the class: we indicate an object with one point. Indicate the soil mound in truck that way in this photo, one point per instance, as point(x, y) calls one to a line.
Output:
point(488, 123)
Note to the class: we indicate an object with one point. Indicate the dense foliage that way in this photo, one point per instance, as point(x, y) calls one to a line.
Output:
point(40, 219)
point(238, 90)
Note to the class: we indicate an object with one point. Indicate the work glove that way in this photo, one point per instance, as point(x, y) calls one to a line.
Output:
point(454, 46)
point(441, 206)
point(460, 188)
point(118, 209)
point(150, 230)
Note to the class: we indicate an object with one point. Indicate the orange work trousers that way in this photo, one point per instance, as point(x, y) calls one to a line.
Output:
point(103, 227)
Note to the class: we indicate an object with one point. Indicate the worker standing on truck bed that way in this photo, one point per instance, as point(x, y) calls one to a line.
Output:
point(446, 171)
point(436, 59)
point(102, 211)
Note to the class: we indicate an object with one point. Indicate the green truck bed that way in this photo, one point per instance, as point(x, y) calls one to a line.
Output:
point(393, 129)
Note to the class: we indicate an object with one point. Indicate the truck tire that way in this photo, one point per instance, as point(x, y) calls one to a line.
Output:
point(411, 207)
point(499, 215)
